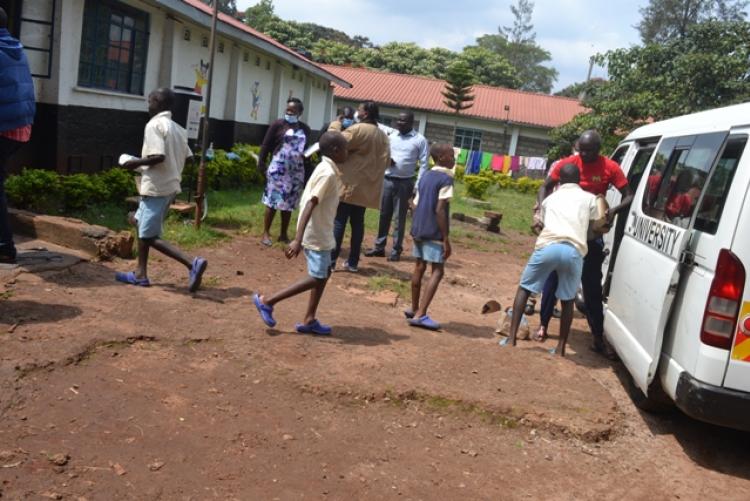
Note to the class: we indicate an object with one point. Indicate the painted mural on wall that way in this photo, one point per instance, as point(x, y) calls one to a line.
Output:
point(255, 91)
point(201, 76)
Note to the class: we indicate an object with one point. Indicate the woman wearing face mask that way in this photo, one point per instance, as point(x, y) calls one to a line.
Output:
point(286, 140)
point(362, 178)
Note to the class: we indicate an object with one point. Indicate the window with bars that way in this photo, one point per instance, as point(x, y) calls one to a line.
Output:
point(114, 47)
point(470, 139)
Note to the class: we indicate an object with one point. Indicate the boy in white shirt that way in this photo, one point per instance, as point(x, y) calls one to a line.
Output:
point(315, 235)
point(560, 247)
point(165, 150)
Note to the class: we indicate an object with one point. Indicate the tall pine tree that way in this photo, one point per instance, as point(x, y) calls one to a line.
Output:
point(458, 85)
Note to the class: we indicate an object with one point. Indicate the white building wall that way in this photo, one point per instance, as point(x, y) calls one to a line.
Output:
point(254, 89)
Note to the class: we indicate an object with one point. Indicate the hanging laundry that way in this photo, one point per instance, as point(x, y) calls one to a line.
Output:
point(456, 153)
point(476, 162)
point(469, 162)
point(463, 155)
point(515, 163)
point(506, 164)
point(537, 163)
point(497, 163)
point(486, 161)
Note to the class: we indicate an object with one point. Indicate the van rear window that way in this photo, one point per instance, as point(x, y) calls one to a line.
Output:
point(712, 205)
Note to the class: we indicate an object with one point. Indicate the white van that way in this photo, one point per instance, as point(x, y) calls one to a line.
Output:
point(677, 303)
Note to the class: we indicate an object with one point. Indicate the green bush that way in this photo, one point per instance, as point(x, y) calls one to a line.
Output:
point(225, 173)
point(35, 189)
point(459, 173)
point(476, 186)
point(46, 191)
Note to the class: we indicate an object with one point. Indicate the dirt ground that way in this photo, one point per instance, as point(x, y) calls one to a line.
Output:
point(114, 392)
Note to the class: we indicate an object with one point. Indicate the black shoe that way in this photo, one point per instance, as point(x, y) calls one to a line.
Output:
point(394, 257)
point(375, 253)
point(602, 348)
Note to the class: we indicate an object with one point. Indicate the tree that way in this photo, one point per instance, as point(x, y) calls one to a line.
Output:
point(706, 68)
point(664, 20)
point(489, 67)
point(585, 89)
point(328, 52)
point(517, 44)
point(458, 85)
point(228, 7)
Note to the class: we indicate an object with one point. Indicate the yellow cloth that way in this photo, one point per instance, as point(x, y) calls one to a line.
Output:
point(506, 164)
point(363, 172)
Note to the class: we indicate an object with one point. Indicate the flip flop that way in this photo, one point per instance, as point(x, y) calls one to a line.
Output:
point(552, 351)
point(314, 327)
point(540, 338)
point(409, 313)
point(266, 312)
point(425, 322)
point(504, 342)
point(196, 273)
point(267, 242)
point(128, 277)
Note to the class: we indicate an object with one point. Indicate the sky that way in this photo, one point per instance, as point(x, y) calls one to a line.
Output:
point(571, 30)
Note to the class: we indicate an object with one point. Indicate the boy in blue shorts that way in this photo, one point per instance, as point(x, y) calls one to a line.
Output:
point(430, 233)
point(561, 246)
point(315, 235)
point(165, 150)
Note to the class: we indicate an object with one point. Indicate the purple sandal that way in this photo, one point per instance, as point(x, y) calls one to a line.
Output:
point(128, 277)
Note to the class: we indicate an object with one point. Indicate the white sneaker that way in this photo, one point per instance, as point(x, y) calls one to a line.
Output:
point(350, 268)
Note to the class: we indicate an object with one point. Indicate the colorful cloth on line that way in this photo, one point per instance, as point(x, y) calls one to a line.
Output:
point(515, 163)
point(506, 164)
point(462, 157)
point(497, 163)
point(537, 163)
point(456, 153)
point(486, 161)
point(286, 174)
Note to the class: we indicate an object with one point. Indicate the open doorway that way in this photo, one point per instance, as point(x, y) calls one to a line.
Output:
point(13, 9)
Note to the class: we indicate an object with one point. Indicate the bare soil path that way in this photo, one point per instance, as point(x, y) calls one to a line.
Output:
point(115, 392)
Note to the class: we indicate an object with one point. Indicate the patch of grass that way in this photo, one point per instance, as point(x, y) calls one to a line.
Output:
point(446, 404)
point(113, 216)
point(514, 206)
point(185, 235)
point(6, 295)
point(382, 282)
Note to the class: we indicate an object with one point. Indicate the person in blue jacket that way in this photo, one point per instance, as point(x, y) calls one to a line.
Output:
point(17, 108)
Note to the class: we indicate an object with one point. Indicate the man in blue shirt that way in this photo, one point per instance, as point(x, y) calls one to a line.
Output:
point(408, 148)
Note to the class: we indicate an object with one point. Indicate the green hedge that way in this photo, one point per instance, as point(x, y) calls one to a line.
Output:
point(477, 184)
point(47, 191)
point(224, 173)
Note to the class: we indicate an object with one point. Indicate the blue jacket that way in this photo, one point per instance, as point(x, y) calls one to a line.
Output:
point(17, 103)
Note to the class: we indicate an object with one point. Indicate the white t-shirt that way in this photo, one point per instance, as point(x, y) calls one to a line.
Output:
point(163, 137)
point(566, 214)
point(324, 184)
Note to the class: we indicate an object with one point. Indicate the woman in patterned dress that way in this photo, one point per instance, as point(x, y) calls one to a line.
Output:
point(286, 140)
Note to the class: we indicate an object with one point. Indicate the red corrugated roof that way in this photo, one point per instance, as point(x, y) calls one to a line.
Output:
point(198, 4)
point(424, 93)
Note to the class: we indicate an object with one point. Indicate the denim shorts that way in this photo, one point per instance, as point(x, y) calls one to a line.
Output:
point(429, 250)
point(560, 257)
point(151, 214)
point(318, 263)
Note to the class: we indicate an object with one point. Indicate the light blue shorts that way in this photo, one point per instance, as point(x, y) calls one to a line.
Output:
point(151, 214)
point(318, 263)
point(429, 250)
point(560, 257)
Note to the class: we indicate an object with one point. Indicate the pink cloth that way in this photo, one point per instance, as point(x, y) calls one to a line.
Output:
point(497, 163)
point(515, 163)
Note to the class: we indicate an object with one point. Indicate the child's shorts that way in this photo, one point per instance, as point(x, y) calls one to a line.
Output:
point(318, 263)
point(560, 257)
point(151, 214)
point(431, 251)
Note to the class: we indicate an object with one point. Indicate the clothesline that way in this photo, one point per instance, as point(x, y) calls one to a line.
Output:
point(476, 161)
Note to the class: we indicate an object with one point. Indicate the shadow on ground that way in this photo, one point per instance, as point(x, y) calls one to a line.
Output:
point(32, 312)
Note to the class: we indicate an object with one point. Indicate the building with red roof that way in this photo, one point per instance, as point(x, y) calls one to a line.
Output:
point(503, 121)
point(95, 61)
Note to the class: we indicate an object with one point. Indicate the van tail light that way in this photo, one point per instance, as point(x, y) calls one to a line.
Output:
point(723, 304)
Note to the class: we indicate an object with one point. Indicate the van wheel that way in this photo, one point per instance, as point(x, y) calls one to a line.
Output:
point(656, 402)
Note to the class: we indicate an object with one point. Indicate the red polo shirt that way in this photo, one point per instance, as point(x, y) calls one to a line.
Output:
point(596, 176)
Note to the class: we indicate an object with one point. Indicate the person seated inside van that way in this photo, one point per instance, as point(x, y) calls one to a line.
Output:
point(560, 248)
point(681, 204)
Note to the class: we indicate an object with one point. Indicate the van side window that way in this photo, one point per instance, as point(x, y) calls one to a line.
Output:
point(678, 175)
point(619, 153)
point(712, 205)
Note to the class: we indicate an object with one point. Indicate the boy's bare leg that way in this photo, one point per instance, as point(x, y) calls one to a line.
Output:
point(267, 220)
point(170, 250)
point(436, 275)
point(286, 216)
point(143, 248)
point(416, 283)
point(316, 293)
point(522, 295)
point(303, 285)
point(566, 319)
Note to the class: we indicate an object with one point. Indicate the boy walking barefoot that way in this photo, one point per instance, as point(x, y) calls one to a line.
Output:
point(315, 235)
point(560, 247)
point(430, 233)
point(165, 150)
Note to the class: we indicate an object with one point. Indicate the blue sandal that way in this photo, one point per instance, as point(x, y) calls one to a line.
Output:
point(266, 312)
point(425, 322)
point(196, 273)
point(314, 327)
point(128, 277)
